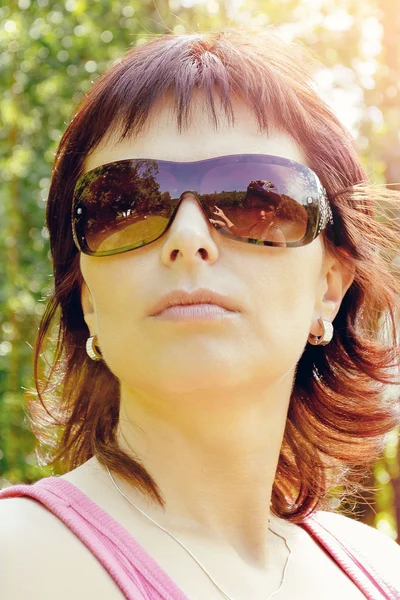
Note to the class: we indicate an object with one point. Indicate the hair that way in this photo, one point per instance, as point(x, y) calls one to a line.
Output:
point(342, 403)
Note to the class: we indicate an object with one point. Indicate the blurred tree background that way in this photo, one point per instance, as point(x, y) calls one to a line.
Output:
point(51, 51)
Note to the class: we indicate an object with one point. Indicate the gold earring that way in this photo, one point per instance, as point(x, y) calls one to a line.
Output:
point(92, 349)
point(325, 337)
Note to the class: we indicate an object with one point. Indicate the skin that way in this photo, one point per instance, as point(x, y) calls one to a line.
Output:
point(204, 404)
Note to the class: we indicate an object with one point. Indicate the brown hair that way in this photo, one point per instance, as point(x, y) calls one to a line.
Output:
point(339, 409)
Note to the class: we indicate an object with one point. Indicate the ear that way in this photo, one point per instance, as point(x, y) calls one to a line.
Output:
point(88, 308)
point(335, 279)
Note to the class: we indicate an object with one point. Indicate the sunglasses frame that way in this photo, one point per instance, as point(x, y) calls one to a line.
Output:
point(320, 203)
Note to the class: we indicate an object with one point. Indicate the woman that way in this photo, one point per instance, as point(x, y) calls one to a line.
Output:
point(262, 202)
point(215, 398)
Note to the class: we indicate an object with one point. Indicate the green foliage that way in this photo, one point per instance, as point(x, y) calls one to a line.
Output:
point(50, 53)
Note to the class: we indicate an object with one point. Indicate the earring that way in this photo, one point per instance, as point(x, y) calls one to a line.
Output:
point(325, 337)
point(92, 348)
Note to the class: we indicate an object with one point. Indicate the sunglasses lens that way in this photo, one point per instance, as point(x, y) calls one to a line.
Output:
point(123, 232)
point(280, 223)
point(128, 204)
point(272, 209)
point(121, 208)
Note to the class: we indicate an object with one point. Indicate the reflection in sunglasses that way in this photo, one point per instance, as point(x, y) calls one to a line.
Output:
point(130, 203)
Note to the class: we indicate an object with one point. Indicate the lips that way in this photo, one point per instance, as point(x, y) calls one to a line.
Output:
point(199, 296)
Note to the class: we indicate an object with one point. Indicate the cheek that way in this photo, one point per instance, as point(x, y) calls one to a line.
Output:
point(118, 286)
point(286, 287)
point(115, 287)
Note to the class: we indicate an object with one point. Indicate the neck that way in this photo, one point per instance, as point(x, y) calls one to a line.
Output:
point(213, 459)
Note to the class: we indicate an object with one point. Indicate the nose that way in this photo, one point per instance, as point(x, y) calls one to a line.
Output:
point(189, 239)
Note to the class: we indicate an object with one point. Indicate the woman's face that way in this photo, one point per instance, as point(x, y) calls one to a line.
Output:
point(279, 291)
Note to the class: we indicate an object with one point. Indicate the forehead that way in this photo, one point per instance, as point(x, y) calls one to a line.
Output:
point(161, 139)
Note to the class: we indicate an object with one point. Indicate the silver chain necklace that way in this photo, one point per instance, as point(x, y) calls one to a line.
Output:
point(192, 555)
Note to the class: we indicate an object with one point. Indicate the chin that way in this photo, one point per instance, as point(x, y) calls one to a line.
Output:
point(199, 383)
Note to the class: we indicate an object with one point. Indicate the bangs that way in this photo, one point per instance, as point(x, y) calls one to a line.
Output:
point(223, 68)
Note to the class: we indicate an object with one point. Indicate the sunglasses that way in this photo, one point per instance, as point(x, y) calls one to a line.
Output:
point(251, 198)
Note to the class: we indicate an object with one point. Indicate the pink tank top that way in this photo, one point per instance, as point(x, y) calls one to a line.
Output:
point(139, 576)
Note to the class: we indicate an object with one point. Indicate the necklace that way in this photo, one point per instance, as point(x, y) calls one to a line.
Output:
point(192, 555)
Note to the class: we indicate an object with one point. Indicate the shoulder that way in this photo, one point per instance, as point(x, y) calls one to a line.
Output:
point(25, 533)
point(377, 549)
point(29, 529)
point(35, 543)
point(20, 511)
point(354, 530)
